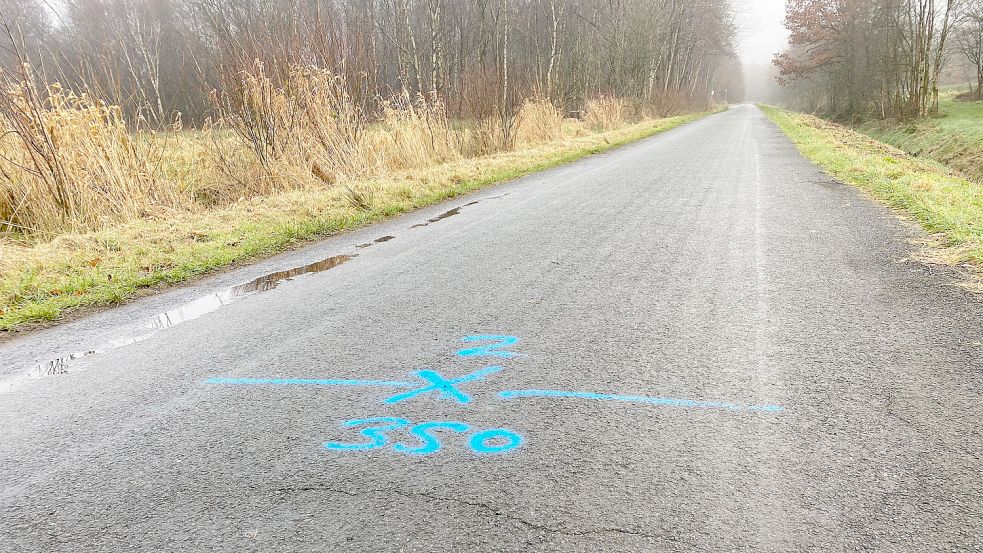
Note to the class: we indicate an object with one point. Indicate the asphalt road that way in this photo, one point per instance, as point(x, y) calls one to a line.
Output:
point(716, 348)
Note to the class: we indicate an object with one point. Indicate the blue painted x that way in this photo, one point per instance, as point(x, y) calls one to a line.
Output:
point(446, 388)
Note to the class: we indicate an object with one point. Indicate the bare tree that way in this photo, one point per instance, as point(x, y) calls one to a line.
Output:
point(969, 40)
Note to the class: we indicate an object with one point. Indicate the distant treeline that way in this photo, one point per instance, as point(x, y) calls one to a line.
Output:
point(857, 59)
point(158, 57)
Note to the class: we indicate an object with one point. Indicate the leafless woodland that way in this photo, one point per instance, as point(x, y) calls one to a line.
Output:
point(476, 56)
point(878, 58)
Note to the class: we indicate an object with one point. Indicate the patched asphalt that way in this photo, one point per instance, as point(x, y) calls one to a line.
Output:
point(719, 348)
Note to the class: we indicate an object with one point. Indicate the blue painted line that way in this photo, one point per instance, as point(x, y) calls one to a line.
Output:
point(477, 375)
point(445, 388)
point(306, 382)
point(493, 350)
point(672, 402)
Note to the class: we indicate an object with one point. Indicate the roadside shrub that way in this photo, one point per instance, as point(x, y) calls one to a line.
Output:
point(305, 129)
point(70, 162)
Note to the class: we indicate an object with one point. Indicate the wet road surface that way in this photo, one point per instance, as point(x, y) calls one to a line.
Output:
point(696, 342)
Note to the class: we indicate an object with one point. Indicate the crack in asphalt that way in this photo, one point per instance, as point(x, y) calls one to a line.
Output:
point(483, 506)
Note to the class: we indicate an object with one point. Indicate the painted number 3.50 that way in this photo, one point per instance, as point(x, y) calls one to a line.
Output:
point(495, 440)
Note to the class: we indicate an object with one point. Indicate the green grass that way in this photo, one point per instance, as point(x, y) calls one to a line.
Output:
point(943, 202)
point(954, 138)
point(40, 282)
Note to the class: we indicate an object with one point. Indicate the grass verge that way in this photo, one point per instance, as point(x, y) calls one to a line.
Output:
point(40, 282)
point(945, 203)
point(955, 138)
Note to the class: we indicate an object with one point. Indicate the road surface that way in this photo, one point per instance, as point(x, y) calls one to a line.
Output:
point(697, 342)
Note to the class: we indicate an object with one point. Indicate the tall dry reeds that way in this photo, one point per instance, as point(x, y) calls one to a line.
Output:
point(605, 113)
point(539, 121)
point(69, 162)
point(411, 135)
point(307, 126)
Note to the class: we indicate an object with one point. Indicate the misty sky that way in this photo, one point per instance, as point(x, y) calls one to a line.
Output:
point(762, 32)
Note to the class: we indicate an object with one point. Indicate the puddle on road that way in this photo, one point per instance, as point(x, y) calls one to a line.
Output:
point(272, 280)
point(204, 305)
point(213, 302)
point(181, 314)
point(379, 240)
point(443, 215)
point(456, 211)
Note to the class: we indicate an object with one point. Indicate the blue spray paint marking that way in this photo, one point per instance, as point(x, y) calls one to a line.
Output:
point(480, 442)
point(484, 442)
point(306, 382)
point(446, 389)
point(431, 444)
point(673, 402)
point(492, 350)
point(427, 435)
point(375, 433)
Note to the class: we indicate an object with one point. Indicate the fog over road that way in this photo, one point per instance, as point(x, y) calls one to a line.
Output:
point(695, 342)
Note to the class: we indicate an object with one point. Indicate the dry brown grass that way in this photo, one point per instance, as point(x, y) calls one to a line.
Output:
point(410, 136)
point(72, 163)
point(40, 279)
point(605, 113)
point(306, 130)
point(69, 162)
point(539, 121)
point(94, 207)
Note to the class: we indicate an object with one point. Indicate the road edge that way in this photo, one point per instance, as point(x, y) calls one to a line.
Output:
point(939, 199)
point(57, 304)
